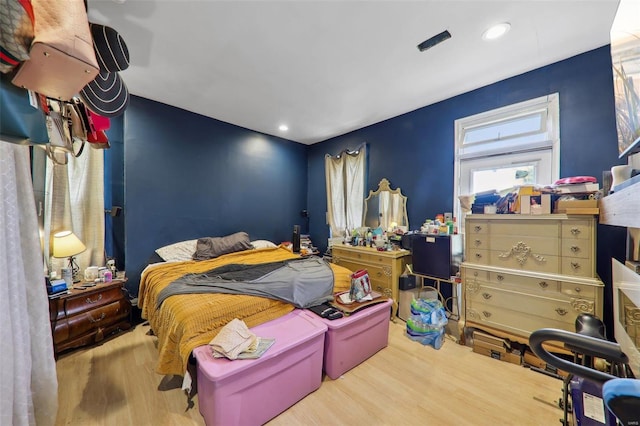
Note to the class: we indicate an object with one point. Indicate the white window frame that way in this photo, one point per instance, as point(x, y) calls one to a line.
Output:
point(543, 150)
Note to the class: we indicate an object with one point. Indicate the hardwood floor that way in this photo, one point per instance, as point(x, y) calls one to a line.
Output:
point(404, 384)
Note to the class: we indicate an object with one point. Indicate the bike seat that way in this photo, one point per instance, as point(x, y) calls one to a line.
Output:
point(590, 325)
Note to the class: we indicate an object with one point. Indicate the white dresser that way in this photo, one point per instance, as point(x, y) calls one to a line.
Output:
point(525, 272)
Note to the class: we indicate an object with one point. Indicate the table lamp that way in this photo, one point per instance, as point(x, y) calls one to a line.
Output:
point(66, 244)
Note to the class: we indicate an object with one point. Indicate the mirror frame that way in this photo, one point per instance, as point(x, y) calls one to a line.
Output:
point(385, 186)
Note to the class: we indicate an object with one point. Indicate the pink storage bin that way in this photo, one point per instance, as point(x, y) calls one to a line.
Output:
point(352, 339)
point(251, 392)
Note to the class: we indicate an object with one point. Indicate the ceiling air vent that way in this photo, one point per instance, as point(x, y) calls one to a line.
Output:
point(436, 39)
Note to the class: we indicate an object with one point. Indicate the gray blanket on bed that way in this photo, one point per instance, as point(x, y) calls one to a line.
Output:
point(303, 282)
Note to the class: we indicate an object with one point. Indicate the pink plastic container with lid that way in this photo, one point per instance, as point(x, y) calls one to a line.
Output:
point(353, 339)
point(251, 392)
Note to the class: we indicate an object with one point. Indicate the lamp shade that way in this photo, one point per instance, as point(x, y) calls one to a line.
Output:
point(66, 244)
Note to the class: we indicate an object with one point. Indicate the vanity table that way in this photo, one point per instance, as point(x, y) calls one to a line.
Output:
point(384, 208)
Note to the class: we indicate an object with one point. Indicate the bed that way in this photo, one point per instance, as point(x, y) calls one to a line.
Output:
point(184, 322)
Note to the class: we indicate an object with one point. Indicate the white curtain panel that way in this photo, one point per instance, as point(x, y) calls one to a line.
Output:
point(345, 174)
point(75, 201)
point(28, 382)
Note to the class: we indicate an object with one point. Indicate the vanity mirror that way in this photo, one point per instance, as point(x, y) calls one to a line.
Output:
point(386, 207)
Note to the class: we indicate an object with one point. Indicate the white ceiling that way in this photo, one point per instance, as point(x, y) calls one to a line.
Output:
point(325, 68)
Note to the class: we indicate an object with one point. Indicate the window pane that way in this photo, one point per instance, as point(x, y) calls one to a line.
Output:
point(505, 129)
point(500, 178)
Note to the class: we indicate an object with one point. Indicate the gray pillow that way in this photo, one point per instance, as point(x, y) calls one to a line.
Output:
point(212, 247)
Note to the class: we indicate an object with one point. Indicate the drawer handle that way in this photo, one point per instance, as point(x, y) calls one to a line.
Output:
point(543, 284)
point(575, 249)
point(478, 255)
point(486, 296)
point(88, 299)
point(379, 274)
point(475, 274)
point(94, 320)
point(477, 228)
point(575, 265)
point(561, 312)
point(500, 277)
point(477, 242)
point(578, 289)
point(575, 231)
point(486, 314)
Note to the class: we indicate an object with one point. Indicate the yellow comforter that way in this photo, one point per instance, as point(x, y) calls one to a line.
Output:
point(184, 322)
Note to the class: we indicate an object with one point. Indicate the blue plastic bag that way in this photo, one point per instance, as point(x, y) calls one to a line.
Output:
point(427, 321)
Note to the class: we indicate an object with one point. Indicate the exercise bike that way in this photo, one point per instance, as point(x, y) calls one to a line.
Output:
point(598, 398)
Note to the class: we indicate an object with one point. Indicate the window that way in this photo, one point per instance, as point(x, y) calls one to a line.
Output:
point(506, 147)
point(345, 178)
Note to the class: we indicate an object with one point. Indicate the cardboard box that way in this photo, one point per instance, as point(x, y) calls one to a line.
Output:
point(535, 204)
point(529, 358)
point(491, 342)
point(571, 206)
point(495, 354)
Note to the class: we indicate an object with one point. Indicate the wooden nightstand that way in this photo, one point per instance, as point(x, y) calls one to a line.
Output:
point(86, 317)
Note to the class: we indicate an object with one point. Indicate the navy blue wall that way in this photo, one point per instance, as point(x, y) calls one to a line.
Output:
point(415, 151)
point(188, 176)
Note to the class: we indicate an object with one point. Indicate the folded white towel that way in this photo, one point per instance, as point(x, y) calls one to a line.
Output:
point(233, 339)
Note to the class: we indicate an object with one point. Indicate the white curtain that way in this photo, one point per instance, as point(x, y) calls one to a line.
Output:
point(74, 201)
point(28, 381)
point(345, 178)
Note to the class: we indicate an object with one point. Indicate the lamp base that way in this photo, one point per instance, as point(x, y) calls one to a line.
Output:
point(75, 269)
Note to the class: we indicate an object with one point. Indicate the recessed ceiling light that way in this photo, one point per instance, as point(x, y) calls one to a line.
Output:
point(496, 31)
point(283, 128)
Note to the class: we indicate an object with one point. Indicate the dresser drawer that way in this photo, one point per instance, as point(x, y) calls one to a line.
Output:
point(577, 228)
point(574, 247)
point(474, 276)
point(380, 273)
point(519, 322)
point(557, 309)
point(579, 290)
point(515, 245)
point(525, 228)
point(577, 267)
point(477, 227)
point(87, 301)
point(521, 261)
point(526, 284)
point(102, 316)
point(368, 257)
point(477, 256)
point(477, 242)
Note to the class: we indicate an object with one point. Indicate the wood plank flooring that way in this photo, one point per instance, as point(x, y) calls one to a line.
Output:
point(404, 384)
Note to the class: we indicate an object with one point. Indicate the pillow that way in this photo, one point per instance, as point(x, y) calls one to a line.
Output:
point(258, 244)
point(212, 247)
point(178, 252)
